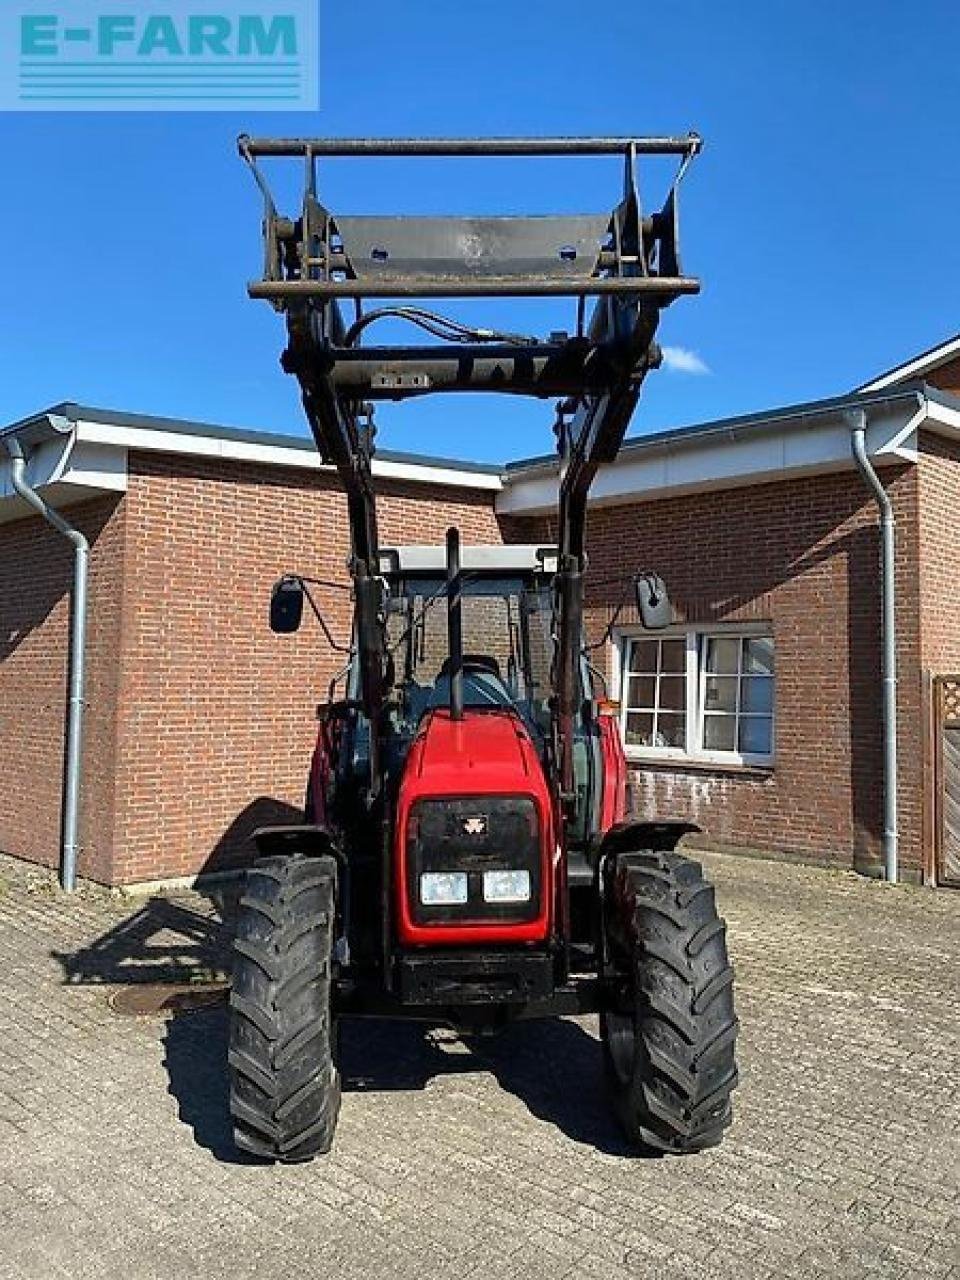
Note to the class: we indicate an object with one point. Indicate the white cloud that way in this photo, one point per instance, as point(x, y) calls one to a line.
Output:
point(682, 360)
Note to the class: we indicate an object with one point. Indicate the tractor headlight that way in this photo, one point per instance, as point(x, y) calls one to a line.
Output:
point(506, 886)
point(443, 888)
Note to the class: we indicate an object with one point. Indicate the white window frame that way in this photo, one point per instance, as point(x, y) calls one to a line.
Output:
point(696, 674)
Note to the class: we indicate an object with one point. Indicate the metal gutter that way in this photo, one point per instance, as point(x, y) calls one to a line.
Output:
point(246, 435)
point(888, 641)
point(70, 844)
point(737, 428)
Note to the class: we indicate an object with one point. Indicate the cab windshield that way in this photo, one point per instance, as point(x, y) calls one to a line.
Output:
point(507, 645)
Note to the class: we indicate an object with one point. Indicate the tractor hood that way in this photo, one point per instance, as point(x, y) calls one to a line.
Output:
point(474, 797)
point(486, 751)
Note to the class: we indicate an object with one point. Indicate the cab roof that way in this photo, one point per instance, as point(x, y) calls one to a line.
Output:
point(526, 557)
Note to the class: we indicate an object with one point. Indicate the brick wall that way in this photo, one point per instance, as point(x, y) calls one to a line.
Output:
point(803, 556)
point(939, 485)
point(939, 481)
point(36, 574)
point(200, 721)
point(216, 719)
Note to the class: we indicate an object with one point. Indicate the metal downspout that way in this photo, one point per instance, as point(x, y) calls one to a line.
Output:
point(888, 643)
point(70, 847)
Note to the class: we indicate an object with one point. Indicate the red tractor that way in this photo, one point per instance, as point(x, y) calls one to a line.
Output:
point(466, 857)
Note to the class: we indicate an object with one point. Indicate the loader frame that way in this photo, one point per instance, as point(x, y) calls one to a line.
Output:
point(626, 259)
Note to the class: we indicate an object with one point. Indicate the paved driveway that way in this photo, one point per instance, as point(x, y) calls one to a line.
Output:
point(844, 1158)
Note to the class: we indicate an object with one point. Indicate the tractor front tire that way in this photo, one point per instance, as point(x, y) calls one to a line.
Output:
point(669, 1029)
point(284, 1083)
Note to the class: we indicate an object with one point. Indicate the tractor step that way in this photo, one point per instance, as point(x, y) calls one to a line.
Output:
point(580, 873)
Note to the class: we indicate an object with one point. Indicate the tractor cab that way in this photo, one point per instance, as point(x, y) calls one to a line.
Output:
point(505, 622)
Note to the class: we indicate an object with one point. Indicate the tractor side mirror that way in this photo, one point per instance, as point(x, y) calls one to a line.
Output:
point(286, 605)
point(653, 603)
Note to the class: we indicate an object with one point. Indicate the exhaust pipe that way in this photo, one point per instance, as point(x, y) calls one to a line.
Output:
point(454, 624)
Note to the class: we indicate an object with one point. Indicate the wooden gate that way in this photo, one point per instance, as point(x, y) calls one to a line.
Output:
point(946, 715)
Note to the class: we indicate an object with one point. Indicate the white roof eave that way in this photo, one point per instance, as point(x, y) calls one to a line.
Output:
point(814, 444)
point(76, 461)
point(67, 470)
point(145, 440)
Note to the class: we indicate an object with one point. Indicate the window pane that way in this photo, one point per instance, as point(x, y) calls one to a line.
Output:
point(718, 732)
point(720, 693)
point(758, 655)
point(639, 730)
point(723, 654)
point(756, 735)
point(671, 730)
point(672, 690)
point(642, 691)
point(643, 656)
point(673, 656)
point(756, 694)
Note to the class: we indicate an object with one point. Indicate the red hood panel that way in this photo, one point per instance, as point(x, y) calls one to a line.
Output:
point(485, 751)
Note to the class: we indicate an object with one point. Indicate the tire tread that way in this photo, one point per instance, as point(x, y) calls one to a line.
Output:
point(284, 1084)
point(669, 945)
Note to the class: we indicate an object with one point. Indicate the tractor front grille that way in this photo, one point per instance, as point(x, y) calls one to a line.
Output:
point(472, 835)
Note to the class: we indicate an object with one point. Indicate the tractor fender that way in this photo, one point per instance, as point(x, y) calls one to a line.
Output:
point(635, 834)
point(623, 839)
point(312, 841)
point(308, 838)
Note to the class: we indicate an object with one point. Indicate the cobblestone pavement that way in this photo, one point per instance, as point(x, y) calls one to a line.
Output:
point(844, 1157)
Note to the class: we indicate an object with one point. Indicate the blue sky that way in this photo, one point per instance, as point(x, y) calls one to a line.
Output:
point(822, 216)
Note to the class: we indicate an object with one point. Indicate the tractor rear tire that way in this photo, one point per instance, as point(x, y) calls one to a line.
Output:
point(284, 1083)
point(668, 1035)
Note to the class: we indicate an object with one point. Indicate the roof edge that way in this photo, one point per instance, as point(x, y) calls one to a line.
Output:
point(747, 423)
point(916, 366)
point(74, 412)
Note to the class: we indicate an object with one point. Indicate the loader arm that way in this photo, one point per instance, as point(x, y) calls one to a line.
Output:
point(591, 437)
point(626, 260)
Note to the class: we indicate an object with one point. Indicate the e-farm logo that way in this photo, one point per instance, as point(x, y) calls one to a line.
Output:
point(180, 55)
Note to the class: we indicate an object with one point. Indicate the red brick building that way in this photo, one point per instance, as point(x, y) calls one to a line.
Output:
point(757, 714)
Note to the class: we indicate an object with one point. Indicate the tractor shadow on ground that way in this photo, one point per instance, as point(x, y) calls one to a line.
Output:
point(179, 936)
point(195, 1060)
point(162, 940)
point(553, 1067)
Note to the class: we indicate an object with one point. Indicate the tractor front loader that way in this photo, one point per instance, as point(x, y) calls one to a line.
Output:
point(465, 856)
